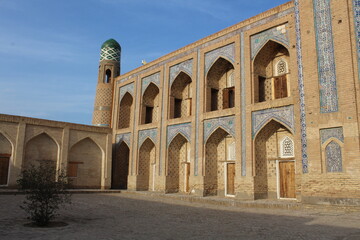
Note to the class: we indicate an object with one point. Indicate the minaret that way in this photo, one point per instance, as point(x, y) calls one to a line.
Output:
point(109, 68)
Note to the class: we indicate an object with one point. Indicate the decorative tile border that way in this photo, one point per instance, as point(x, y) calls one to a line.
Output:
point(197, 120)
point(228, 52)
point(174, 130)
point(185, 67)
point(304, 156)
point(326, 56)
point(243, 106)
point(148, 133)
point(227, 123)
point(154, 78)
point(356, 8)
point(127, 88)
point(327, 133)
point(279, 34)
point(123, 138)
point(284, 115)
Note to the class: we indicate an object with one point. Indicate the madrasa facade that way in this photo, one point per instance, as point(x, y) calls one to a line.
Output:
point(264, 109)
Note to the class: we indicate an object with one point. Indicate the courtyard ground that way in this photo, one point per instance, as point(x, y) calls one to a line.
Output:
point(145, 216)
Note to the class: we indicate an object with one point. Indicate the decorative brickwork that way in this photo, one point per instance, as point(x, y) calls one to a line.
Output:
point(146, 158)
point(278, 34)
point(284, 115)
point(125, 111)
point(226, 123)
point(326, 56)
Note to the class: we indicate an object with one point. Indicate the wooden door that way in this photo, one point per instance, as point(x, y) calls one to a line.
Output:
point(230, 190)
point(280, 85)
point(287, 179)
point(4, 170)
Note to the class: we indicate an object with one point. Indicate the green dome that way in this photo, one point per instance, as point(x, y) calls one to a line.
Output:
point(111, 43)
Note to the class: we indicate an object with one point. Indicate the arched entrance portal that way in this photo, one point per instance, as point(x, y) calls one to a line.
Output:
point(220, 164)
point(84, 166)
point(274, 162)
point(5, 154)
point(40, 149)
point(178, 165)
point(120, 168)
point(146, 165)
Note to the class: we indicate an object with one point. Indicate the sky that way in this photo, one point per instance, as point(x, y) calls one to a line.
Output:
point(50, 49)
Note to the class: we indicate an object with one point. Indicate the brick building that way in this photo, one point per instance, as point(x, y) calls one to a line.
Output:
point(264, 109)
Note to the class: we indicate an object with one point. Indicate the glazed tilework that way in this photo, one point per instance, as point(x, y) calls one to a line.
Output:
point(154, 78)
point(185, 67)
point(356, 8)
point(326, 57)
point(326, 134)
point(197, 121)
point(279, 34)
point(226, 123)
point(123, 138)
point(228, 52)
point(243, 107)
point(109, 53)
point(174, 130)
point(304, 156)
point(333, 157)
point(127, 88)
point(284, 115)
point(148, 133)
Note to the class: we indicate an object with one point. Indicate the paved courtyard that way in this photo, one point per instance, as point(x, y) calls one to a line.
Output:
point(136, 216)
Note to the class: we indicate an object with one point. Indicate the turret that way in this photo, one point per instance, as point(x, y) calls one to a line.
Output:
point(109, 68)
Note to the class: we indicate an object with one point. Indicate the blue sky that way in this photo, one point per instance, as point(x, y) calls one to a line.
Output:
point(49, 49)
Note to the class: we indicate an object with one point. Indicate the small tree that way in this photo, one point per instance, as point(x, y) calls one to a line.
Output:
point(45, 192)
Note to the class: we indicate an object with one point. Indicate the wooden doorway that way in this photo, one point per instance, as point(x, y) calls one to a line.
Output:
point(287, 179)
point(4, 169)
point(230, 179)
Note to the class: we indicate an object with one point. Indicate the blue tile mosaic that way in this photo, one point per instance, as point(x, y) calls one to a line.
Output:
point(148, 133)
point(326, 56)
point(304, 155)
point(356, 9)
point(226, 123)
point(154, 78)
point(278, 34)
point(174, 130)
point(227, 52)
point(185, 67)
point(284, 115)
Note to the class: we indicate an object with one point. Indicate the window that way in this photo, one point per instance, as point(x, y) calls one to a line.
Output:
point(149, 114)
point(262, 89)
point(228, 98)
point(177, 112)
point(72, 169)
point(287, 148)
point(214, 99)
point(108, 76)
point(281, 67)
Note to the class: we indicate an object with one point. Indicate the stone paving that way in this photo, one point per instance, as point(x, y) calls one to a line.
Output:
point(141, 216)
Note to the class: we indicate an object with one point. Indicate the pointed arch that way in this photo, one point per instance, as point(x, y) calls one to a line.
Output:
point(125, 110)
point(6, 151)
point(120, 166)
point(150, 104)
point(177, 165)
point(220, 85)
point(267, 84)
point(216, 155)
point(180, 97)
point(42, 148)
point(268, 145)
point(333, 154)
point(147, 158)
point(85, 164)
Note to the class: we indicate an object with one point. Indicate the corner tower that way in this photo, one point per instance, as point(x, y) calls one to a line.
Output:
point(109, 68)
